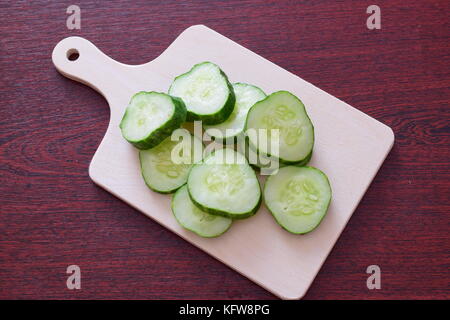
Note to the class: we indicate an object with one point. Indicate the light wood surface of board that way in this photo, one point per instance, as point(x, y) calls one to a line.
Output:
point(349, 147)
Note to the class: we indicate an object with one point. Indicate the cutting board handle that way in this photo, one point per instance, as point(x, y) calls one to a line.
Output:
point(91, 67)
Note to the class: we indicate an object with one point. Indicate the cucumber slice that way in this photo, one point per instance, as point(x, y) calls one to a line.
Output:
point(283, 111)
point(192, 218)
point(160, 173)
point(224, 184)
point(246, 96)
point(151, 117)
point(206, 92)
point(298, 197)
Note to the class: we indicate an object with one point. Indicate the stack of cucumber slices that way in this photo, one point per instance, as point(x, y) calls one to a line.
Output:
point(213, 188)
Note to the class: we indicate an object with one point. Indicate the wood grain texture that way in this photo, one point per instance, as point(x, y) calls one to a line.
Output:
point(52, 215)
point(258, 248)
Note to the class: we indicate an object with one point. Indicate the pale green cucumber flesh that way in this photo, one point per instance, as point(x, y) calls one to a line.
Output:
point(206, 92)
point(298, 198)
point(190, 217)
point(158, 169)
point(223, 183)
point(246, 96)
point(286, 113)
point(151, 117)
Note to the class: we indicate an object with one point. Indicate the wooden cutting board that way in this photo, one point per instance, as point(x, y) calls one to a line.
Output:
point(349, 147)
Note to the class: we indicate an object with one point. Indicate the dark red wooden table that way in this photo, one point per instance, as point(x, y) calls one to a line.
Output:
point(53, 216)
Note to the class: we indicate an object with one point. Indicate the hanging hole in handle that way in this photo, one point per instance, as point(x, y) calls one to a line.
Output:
point(72, 54)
